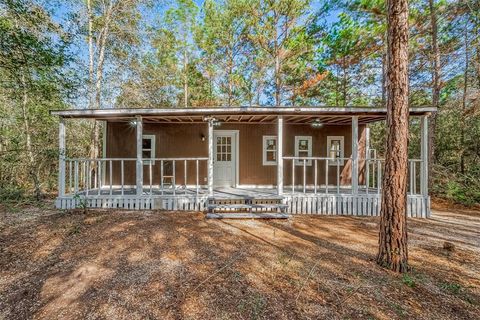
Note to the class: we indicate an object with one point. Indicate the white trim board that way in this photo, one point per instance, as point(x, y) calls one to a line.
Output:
point(236, 135)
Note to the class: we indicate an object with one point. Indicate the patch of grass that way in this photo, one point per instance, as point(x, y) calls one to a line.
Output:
point(408, 280)
point(450, 287)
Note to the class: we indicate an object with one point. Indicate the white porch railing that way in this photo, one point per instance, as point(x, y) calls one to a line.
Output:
point(369, 178)
point(95, 176)
point(305, 162)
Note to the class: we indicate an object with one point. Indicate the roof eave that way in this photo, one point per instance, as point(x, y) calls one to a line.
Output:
point(115, 113)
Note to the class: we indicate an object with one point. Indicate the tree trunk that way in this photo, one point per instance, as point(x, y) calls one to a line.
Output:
point(384, 71)
point(337, 86)
point(229, 79)
point(101, 46)
point(276, 51)
point(28, 139)
point(91, 64)
point(435, 87)
point(277, 78)
point(185, 77)
point(344, 82)
point(464, 104)
point(393, 251)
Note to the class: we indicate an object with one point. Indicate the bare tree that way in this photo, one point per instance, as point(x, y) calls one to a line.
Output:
point(393, 251)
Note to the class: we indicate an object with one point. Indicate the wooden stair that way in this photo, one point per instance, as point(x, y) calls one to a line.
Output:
point(246, 207)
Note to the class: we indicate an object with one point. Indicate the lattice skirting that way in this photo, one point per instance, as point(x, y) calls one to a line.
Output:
point(358, 205)
point(180, 203)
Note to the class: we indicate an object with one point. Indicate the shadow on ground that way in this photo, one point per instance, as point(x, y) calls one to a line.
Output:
point(158, 265)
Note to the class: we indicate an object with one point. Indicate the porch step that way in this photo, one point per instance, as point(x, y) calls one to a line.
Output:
point(246, 207)
point(246, 215)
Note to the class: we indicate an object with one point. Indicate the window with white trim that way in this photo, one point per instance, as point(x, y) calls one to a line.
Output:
point(303, 148)
point(269, 150)
point(335, 150)
point(148, 148)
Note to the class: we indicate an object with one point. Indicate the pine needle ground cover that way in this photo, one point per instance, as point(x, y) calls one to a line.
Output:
point(159, 265)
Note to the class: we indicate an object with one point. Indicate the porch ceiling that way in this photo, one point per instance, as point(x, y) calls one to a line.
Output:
point(326, 115)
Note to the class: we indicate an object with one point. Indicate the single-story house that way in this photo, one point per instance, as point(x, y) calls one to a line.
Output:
point(237, 162)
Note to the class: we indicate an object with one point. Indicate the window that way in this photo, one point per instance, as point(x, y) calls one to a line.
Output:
point(224, 148)
point(335, 149)
point(148, 148)
point(303, 148)
point(269, 150)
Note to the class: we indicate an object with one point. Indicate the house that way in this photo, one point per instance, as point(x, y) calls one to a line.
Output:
point(237, 162)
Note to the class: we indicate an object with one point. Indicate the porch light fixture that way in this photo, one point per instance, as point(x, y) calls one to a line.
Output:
point(212, 120)
point(317, 123)
point(202, 137)
point(133, 123)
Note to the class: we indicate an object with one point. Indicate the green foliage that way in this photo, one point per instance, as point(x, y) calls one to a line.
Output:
point(408, 280)
point(229, 52)
point(453, 288)
point(11, 194)
point(457, 187)
point(33, 57)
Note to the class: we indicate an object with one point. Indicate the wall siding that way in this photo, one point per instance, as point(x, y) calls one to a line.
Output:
point(184, 140)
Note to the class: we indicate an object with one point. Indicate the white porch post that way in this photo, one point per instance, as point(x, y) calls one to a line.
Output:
point(367, 142)
point(280, 155)
point(355, 154)
point(424, 156)
point(104, 152)
point(139, 171)
point(210, 157)
point(61, 157)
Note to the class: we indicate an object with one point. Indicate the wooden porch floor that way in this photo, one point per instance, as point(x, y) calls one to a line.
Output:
point(222, 192)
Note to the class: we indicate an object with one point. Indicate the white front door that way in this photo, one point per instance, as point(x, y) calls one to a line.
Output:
point(224, 158)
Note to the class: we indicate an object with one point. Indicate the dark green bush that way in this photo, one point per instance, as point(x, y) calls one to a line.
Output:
point(457, 187)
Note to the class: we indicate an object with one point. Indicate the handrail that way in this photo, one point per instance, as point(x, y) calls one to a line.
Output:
point(118, 159)
point(372, 173)
point(314, 158)
point(89, 175)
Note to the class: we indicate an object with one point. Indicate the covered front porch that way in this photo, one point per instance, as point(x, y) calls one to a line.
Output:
point(344, 183)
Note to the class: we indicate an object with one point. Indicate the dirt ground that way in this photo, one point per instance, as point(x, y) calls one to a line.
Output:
point(171, 265)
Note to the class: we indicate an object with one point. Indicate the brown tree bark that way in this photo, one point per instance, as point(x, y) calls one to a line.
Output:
point(435, 86)
point(384, 71)
point(393, 251)
point(464, 102)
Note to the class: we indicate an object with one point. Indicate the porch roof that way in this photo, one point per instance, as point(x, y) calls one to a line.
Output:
point(327, 115)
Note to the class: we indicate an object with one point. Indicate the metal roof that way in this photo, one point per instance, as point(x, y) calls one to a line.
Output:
point(333, 115)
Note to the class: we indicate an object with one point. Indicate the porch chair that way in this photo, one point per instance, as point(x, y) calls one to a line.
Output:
point(168, 177)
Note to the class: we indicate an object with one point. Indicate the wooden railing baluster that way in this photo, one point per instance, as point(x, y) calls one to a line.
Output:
point(174, 175)
point(196, 177)
point(122, 178)
point(110, 173)
point(304, 175)
point(293, 176)
point(185, 175)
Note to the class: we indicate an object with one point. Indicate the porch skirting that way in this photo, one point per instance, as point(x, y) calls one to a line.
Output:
point(418, 206)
